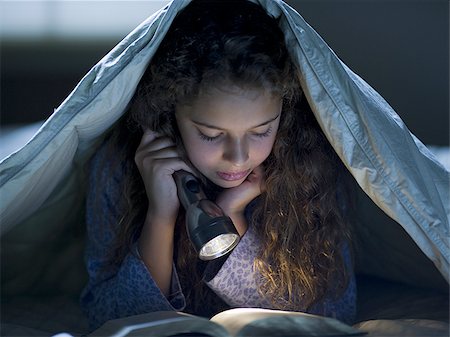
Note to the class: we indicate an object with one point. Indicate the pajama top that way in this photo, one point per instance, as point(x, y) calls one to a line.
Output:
point(130, 289)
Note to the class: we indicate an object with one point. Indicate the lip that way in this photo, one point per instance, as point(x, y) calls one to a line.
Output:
point(233, 176)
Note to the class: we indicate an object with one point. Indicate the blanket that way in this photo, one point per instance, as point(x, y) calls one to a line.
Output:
point(43, 184)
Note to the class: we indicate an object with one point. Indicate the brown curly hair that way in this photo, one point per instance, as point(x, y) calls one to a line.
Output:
point(300, 223)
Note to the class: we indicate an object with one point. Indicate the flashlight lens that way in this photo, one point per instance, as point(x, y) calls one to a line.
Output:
point(219, 246)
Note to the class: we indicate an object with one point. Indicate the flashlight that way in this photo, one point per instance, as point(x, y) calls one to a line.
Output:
point(211, 232)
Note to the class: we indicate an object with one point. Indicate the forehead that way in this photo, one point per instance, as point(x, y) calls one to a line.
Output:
point(232, 108)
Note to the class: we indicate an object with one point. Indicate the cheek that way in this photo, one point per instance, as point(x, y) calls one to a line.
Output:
point(261, 151)
point(200, 153)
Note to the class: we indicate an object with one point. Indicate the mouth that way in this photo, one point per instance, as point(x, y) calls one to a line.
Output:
point(233, 176)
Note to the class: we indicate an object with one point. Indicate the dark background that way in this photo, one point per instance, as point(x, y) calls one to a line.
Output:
point(400, 47)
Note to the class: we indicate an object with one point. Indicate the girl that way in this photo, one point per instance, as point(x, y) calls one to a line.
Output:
point(221, 99)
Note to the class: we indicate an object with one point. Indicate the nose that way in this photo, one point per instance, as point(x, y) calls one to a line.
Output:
point(236, 151)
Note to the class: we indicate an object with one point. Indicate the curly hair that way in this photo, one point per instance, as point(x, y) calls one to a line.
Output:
point(300, 223)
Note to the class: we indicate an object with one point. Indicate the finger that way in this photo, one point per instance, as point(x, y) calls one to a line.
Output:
point(150, 155)
point(256, 175)
point(158, 148)
point(260, 175)
point(155, 133)
point(156, 144)
point(256, 181)
point(149, 136)
point(171, 165)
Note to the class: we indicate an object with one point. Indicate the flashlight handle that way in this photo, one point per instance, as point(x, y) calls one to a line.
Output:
point(211, 232)
point(189, 188)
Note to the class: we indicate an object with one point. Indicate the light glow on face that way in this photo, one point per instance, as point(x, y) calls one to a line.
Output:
point(228, 133)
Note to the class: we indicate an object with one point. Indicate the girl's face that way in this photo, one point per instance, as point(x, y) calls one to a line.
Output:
point(227, 134)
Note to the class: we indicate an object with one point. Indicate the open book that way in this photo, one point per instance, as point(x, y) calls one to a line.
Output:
point(240, 322)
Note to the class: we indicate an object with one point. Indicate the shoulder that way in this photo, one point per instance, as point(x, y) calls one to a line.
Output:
point(109, 162)
point(107, 171)
point(104, 202)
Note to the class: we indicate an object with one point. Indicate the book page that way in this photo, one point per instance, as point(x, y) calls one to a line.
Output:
point(252, 322)
point(161, 324)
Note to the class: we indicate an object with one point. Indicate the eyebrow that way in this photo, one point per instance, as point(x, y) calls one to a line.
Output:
point(217, 128)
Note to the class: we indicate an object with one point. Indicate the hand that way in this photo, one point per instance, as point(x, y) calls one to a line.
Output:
point(157, 159)
point(234, 200)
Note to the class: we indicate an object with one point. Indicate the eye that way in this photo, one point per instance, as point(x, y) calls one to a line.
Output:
point(208, 138)
point(263, 134)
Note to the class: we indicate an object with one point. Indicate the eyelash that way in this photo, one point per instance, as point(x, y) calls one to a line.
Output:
point(259, 135)
point(208, 139)
point(264, 134)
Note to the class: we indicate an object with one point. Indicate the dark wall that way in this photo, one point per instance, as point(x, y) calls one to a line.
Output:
point(37, 76)
point(400, 47)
